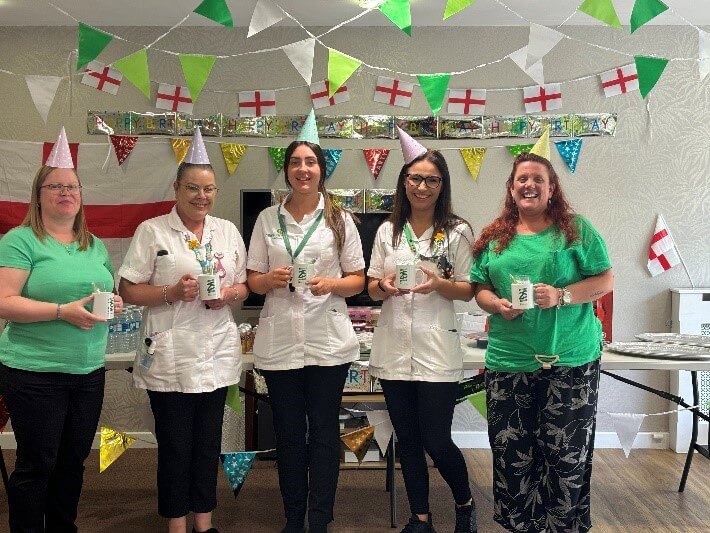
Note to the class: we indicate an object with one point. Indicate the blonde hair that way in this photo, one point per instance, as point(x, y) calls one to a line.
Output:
point(33, 218)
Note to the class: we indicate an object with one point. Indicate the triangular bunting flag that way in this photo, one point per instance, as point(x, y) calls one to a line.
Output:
point(180, 148)
point(301, 56)
point(265, 14)
point(236, 467)
point(102, 77)
point(601, 10)
point(535, 71)
point(644, 11)
point(340, 68)
point(123, 145)
point(216, 10)
point(703, 54)
point(569, 151)
point(375, 158)
point(234, 401)
point(196, 69)
point(278, 156)
point(91, 44)
point(42, 89)
point(473, 157)
point(517, 149)
point(332, 158)
point(380, 420)
point(232, 154)
point(541, 40)
point(113, 444)
point(662, 253)
point(135, 68)
point(73, 150)
point(649, 70)
point(478, 400)
point(359, 441)
point(399, 12)
point(627, 427)
point(434, 87)
point(454, 6)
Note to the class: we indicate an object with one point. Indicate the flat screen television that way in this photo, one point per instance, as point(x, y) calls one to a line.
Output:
point(253, 201)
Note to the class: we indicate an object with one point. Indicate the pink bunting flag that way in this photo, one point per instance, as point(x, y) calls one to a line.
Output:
point(123, 145)
point(375, 158)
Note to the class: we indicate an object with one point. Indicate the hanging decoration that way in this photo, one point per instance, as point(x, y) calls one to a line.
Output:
point(535, 71)
point(102, 77)
point(359, 441)
point(380, 420)
point(340, 68)
point(478, 401)
point(569, 151)
point(236, 467)
point(320, 94)
point(196, 69)
point(400, 14)
point(278, 156)
point(135, 68)
point(301, 56)
point(375, 158)
point(217, 11)
point(434, 88)
point(393, 92)
point(112, 445)
point(540, 41)
point(257, 103)
point(42, 90)
point(379, 200)
point(620, 80)
point(473, 157)
point(466, 102)
point(232, 154)
point(123, 145)
point(645, 11)
point(234, 400)
point(173, 98)
point(180, 148)
point(454, 6)
point(91, 43)
point(539, 98)
point(662, 252)
point(627, 426)
point(649, 72)
point(266, 13)
point(517, 149)
point(602, 10)
point(332, 158)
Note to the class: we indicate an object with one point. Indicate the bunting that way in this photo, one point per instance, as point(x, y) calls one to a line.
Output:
point(478, 401)
point(332, 158)
point(400, 14)
point(602, 10)
point(232, 154)
point(234, 400)
point(266, 13)
point(649, 72)
point(173, 98)
point(375, 158)
point(43, 90)
point(466, 102)
point(340, 68)
point(393, 92)
point(380, 420)
point(535, 71)
point(620, 80)
point(257, 103)
point(320, 94)
point(434, 87)
point(278, 156)
point(301, 56)
point(217, 11)
point(540, 41)
point(112, 445)
point(236, 467)
point(454, 6)
point(359, 441)
point(135, 68)
point(180, 148)
point(102, 77)
point(91, 43)
point(627, 426)
point(196, 69)
point(123, 145)
point(517, 149)
point(473, 157)
point(645, 11)
point(569, 151)
point(539, 98)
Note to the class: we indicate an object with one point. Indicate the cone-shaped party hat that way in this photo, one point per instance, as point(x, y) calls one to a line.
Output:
point(197, 154)
point(60, 156)
point(309, 131)
point(542, 146)
point(411, 149)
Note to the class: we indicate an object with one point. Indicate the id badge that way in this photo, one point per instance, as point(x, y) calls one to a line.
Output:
point(147, 354)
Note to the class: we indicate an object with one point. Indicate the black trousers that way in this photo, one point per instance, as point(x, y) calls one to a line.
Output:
point(188, 428)
point(421, 413)
point(306, 404)
point(54, 416)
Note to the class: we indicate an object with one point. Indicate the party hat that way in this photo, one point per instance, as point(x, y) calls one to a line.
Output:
point(60, 157)
point(197, 154)
point(542, 146)
point(411, 149)
point(309, 131)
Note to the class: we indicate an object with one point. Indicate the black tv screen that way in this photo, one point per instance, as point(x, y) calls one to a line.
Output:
point(253, 201)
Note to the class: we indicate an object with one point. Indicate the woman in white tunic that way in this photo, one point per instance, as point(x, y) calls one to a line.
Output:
point(194, 343)
point(416, 351)
point(305, 341)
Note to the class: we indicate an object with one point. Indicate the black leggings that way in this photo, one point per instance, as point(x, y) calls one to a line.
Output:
point(421, 413)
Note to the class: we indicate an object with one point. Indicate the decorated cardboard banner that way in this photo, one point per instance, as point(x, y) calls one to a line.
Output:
point(232, 154)
point(278, 156)
point(234, 126)
point(359, 441)
point(558, 125)
point(419, 126)
point(375, 158)
point(180, 148)
point(119, 122)
point(473, 157)
point(236, 467)
point(351, 199)
point(283, 126)
point(505, 126)
point(210, 126)
point(569, 151)
point(113, 444)
point(332, 158)
point(123, 145)
point(373, 127)
point(461, 127)
point(153, 124)
point(594, 124)
point(340, 127)
point(379, 200)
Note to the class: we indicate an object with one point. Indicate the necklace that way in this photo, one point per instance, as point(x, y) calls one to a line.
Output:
point(203, 254)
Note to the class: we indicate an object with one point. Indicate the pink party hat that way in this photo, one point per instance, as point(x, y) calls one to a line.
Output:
point(411, 149)
point(309, 131)
point(197, 154)
point(60, 156)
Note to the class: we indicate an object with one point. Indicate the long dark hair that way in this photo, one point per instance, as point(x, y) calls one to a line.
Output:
point(503, 229)
point(332, 214)
point(444, 217)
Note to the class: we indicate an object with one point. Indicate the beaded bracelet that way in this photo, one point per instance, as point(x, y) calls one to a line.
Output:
point(165, 295)
point(59, 311)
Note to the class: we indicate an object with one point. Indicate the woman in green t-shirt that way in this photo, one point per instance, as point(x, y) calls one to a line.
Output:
point(542, 363)
point(52, 350)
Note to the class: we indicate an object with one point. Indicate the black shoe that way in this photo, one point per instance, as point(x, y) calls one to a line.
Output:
point(292, 527)
point(417, 526)
point(210, 530)
point(466, 519)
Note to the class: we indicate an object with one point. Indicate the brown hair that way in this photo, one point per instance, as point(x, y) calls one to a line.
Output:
point(33, 218)
point(332, 213)
point(503, 228)
point(184, 167)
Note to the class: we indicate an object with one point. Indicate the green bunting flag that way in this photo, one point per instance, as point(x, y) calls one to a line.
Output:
point(278, 156)
point(216, 10)
point(135, 68)
point(517, 149)
point(196, 69)
point(478, 400)
point(644, 11)
point(601, 10)
point(649, 71)
point(454, 6)
point(340, 68)
point(434, 88)
point(234, 401)
point(91, 44)
point(399, 12)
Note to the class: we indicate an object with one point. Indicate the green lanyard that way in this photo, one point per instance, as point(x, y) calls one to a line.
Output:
point(407, 230)
point(284, 234)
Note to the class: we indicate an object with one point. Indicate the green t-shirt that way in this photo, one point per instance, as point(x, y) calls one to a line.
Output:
point(571, 332)
point(59, 273)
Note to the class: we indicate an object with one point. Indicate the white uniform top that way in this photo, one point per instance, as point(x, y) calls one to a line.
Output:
point(297, 329)
point(416, 337)
point(197, 349)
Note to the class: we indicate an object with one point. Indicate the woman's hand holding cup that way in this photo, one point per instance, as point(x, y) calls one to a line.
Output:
point(431, 284)
point(505, 308)
point(77, 315)
point(185, 290)
point(388, 285)
point(546, 296)
point(279, 277)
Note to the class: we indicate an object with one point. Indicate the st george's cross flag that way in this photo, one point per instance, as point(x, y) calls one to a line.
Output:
point(620, 80)
point(102, 77)
point(542, 97)
point(466, 102)
point(257, 103)
point(662, 254)
point(393, 92)
point(319, 94)
point(173, 98)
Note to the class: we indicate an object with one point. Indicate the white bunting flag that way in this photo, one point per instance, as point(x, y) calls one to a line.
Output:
point(42, 89)
point(383, 428)
point(266, 13)
point(301, 56)
point(627, 427)
point(542, 39)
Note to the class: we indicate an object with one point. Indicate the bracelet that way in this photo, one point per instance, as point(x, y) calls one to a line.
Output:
point(59, 311)
point(236, 289)
point(379, 284)
point(165, 295)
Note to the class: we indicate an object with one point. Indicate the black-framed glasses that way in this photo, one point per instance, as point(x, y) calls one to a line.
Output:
point(58, 188)
point(194, 189)
point(431, 182)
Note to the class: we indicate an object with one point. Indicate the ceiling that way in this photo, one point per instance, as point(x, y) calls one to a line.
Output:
point(327, 13)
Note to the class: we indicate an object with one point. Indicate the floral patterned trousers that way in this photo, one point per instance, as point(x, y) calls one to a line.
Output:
point(541, 430)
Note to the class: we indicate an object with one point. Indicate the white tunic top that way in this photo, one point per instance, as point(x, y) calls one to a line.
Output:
point(197, 349)
point(298, 329)
point(416, 337)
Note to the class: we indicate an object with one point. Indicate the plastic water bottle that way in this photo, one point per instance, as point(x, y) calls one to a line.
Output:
point(111, 340)
point(123, 332)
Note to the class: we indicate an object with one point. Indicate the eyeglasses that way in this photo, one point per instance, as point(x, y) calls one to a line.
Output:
point(415, 180)
point(58, 188)
point(194, 189)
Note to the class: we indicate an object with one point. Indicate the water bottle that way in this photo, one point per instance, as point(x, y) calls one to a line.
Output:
point(137, 325)
point(111, 340)
point(122, 330)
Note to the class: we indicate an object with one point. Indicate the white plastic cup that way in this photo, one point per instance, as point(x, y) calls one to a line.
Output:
point(103, 305)
point(408, 275)
point(209, 286)
point(302, 272)
point(522, 294)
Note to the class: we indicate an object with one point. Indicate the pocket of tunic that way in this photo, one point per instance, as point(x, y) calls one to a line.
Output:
point(380, 345)
point(443, 349)
point(341, 335)
point(164, 273)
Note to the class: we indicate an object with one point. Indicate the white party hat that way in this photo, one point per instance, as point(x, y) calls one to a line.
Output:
point(197, 154)
point(60, 156)
point(411, 149)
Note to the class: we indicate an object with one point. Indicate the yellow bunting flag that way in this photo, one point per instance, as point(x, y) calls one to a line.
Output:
point(473, 157)
point(113, 444)
point(359, 441)
point(180, 147)
point(232, 154)
point(340, 68)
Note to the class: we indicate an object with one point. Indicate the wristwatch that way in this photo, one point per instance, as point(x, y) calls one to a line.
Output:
point(564, 297)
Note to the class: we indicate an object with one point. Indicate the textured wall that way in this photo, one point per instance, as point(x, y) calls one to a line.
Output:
point(657, 163)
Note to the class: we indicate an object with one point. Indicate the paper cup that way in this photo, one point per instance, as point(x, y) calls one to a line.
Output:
point(522, 295)
point(103, 305)
point(302, 272)
point(408, 275)
point(209, 286)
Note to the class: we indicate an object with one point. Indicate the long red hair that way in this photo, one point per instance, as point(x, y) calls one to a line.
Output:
point(503, 229)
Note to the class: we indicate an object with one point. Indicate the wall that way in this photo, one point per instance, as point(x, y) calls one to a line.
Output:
point(657, 163)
